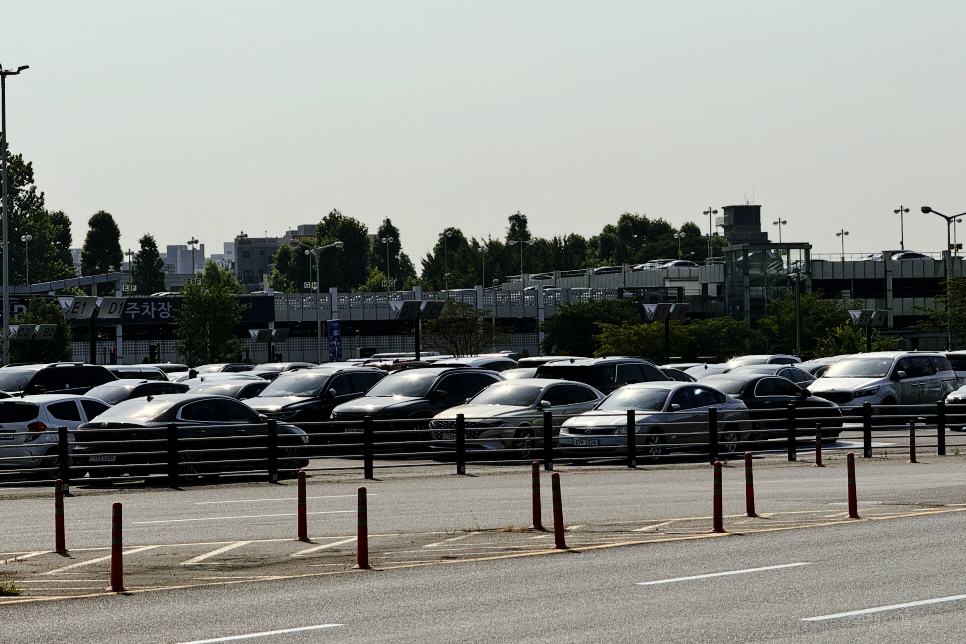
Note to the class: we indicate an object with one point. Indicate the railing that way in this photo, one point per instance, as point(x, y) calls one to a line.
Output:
point(178, 454)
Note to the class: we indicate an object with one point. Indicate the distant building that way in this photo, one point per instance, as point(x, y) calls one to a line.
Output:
point(182, 259)
point(253, 260)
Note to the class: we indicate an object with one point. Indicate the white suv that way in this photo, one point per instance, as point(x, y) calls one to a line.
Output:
point(29, 424)
point(886, 378)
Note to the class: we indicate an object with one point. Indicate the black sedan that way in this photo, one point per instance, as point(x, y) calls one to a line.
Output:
point(119, 390)
point(214, 434)
point(235, 388)
point(769, 396)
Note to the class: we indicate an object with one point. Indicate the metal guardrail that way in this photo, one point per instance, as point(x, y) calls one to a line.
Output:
point(170, 456)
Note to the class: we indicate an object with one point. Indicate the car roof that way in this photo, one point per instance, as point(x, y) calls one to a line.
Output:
point(47, 398)
point(660, 384)
point(593, 361)
point(541, 382)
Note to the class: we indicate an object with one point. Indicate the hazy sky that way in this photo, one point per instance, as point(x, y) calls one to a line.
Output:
point(204, 118)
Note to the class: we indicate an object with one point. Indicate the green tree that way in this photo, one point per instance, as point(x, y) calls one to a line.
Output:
point(147, 268)
point(519, 229)
point(818, 316)
point(644, 340)
point(949, 315)
point(447, 256)
point(462, 330)
point(57, 349)
point(291, 270)
point(205, 325)
point(721, 338)
point(571, 330)
point(348, 268)
point(102, 252)
point(848, 338)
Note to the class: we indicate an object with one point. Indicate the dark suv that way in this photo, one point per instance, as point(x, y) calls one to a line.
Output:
point(604, 374)
point(56, 378)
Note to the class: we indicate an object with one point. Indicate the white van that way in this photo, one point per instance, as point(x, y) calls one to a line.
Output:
point(887, 378)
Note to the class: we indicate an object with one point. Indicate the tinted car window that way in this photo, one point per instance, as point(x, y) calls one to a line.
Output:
point(630, 373)
point(66, 410)
point(704, 397)
point(942, 364)
point(905, 364)
point(684, 398)
point(57, 379)
point(653, 373)
point(361, 382)
point(922, 366)
point(203, 411)
point(578, 394)
point(11, 412)
point(775, 387)
point(556, 395)
point(341, 385)
point(93, 408)
point(237, 412)
point(92, 376)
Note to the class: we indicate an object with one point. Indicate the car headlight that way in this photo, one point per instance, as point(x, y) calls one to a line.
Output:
point(865, 393)
point(619, 429)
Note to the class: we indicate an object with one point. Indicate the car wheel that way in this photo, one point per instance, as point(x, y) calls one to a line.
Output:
point(289, 463)
point(730, 442)
point(188, 467)
point(888, 412)
point(654, 443)
point(49, 471)
point(523, 442)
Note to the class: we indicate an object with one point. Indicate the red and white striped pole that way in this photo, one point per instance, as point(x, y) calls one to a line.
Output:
point(717, 521)
point(303, 520)
point(818, 445)
point(362, 534)
point(749, 488)
point(559, 542)
point(912, 442)
point(117, 552)
point(853, 500)
point(60, 542)
point(535, 487)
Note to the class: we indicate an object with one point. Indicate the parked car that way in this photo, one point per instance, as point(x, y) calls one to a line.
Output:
point(218, 376)
point(679, 263)
point(493, 363)
point(29, 424)
point(536, 361)
point(603, 374)
point(57, 378)
point(270, 370)
point(518, 373)
point(136, 372)
point(779, 358)
point(773, 394)
point(677, 374)
point(214, 368)
point(958, 361)
point(509, 414)
point(123, 389)
point(169, 368)
point(703, 371)
point(887, 379)
point(955, 409)
point(215, 434)
point(669, 415)
point(237, 388)
point(818, 366)
point(308, 396)
point(791, 372)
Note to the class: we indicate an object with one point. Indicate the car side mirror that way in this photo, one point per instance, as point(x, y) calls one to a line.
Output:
point(675, 407)
point(35, 389)
point(804, 393)
point(260, 418)
point(900, 375)
point(545, 403)
point(330, 394)
point(437, 395)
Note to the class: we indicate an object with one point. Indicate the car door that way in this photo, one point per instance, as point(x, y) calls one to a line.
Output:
point(930, 389)
point(205, 427)
point(560, 406)
point(65, 413)
point(908, 387)
point(93, 408)
point(688, 424)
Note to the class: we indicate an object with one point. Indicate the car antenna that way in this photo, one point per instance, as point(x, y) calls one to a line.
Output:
point(150, 398)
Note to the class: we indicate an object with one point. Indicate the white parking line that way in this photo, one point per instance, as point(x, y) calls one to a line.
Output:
point(26, 555)
point(879, 609)
point(323, 546)
point(255, 516)
point(98, 560)
point(336, 496)
point(262, 634)
point(721, 574)
point(433, 545)
point(648, 528)
point(218, 551)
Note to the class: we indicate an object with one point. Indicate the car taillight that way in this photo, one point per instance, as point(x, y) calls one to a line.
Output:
point(35, 430)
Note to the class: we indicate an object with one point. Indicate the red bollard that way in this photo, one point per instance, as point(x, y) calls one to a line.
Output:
point(303, 521)
point(716, 520)
point(853, 502)
point(117, 552)
point(912, 442)
point(749, 488)
point(559, 543)
point(362, 536)
point(535, 485)
point(818, 445)
point(60, 543)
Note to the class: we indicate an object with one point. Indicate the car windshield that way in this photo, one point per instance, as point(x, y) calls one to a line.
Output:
point(410, 384)
point(746, 360)
point(14, 380)
point(510, 394)
point(138, 410)
point(303, 384)
point(18, 412)
point(860, 368)
point(635, 398)
point(210, 368)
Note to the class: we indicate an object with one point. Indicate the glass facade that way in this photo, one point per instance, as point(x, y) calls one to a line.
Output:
point(756, 274)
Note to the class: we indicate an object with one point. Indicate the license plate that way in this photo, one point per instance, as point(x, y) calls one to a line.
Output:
point(353, 430)
point(103, 458)
point(586, 442)
point(6, 437)
point(447, 436)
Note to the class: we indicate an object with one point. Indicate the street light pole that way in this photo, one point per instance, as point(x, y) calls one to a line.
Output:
point(443, 236)
point(709, 212)
point(6, 208)
point(779, 223)
point(388, 242)
point(521, 243)
point(26, 256)
point(949, 258)
point(318, 294)
point(192, 242)
point(842, 234)
point(902, 234)
point(482, 251)
point(679, 237)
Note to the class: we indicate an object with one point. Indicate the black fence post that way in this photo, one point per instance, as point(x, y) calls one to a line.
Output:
point(866, 430)
point(631, 439)
point(460, 444)
point(941, 428)
point(713, 434)
point(174, 473)
point(792, 433)
point(272, 450)
point(548, 441)
point(63, 457)
point(367, 440)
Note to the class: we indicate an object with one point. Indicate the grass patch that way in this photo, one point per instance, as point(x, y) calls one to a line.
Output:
point(9, 588)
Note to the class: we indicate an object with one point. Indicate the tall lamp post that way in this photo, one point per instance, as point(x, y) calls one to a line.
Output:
point(679, 237)
point(315, 250)
point(842, 234)
point(709, 212)
point(949, 257)
point(191, 242)
point(443, 236)
point(779, 223)
point(482, 251)
point(6, 210)
point(902, 234)
point(26, 256)
point(388, 242)
point(521, 243)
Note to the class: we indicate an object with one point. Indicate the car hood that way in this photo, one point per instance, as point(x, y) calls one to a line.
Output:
point(606, 418)
point(375, 404)
point(274, 403)
point(843, 384)
point(485, 411)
